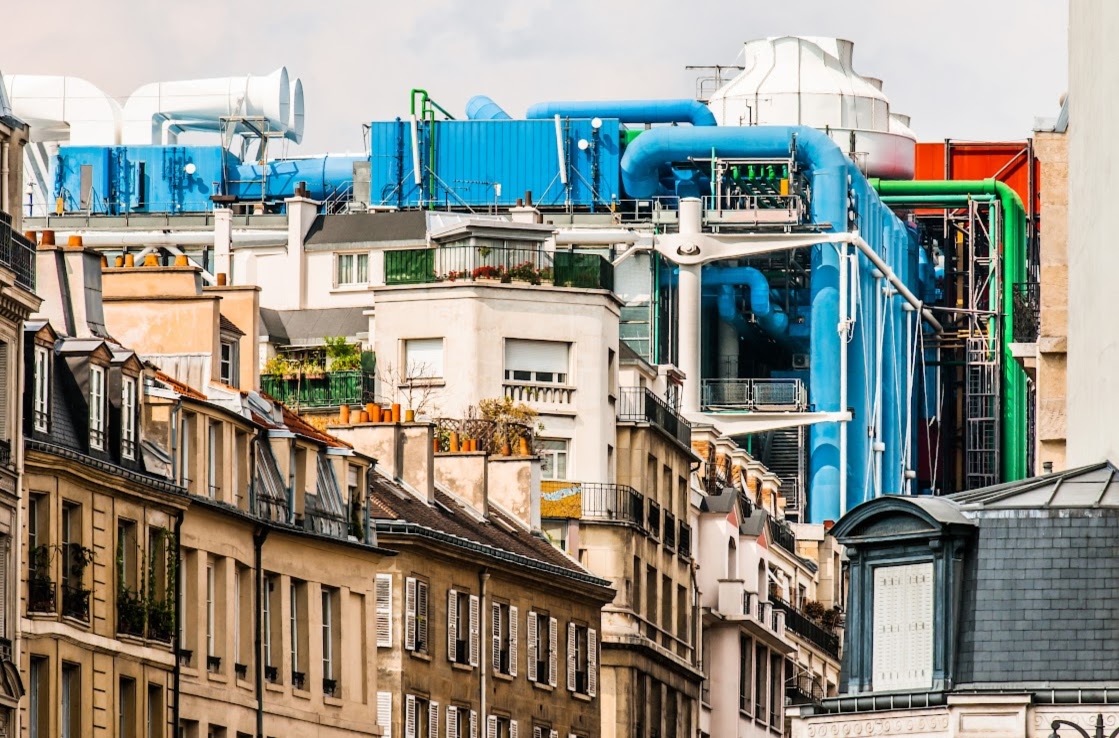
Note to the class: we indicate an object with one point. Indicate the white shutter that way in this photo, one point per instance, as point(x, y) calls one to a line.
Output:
point(384, 713)
point(410, 716)
point(553, 650)
point(423, 357)
point(592, 662)
point(903, 628)
point(512, 729)
point(475, 629)
point(410, 614)
point(383, 593)
point(553, 733)
point(537, 731)
point(531, 665)
point(452, 721)
point(491, 726)
point(495, 636)
point(473, 724)
point(421, 616)
point(513, 615)
point(536, 356)
point(432, 720)
point(452, 623)
point(571, 657)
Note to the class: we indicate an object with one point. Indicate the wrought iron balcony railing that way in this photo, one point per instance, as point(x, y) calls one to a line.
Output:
point(641, 405)
point(17, 253)
point(803, 626)
point(1027, 311)
point(503, 264)
point(329, 389)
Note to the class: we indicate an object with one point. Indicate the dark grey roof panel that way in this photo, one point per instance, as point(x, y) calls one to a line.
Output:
point(309, 327)
point(332, 231)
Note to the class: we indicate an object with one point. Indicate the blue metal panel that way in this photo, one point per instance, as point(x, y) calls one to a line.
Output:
point(471, 157)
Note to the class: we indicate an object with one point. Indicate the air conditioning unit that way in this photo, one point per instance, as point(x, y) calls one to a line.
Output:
point(801, 361)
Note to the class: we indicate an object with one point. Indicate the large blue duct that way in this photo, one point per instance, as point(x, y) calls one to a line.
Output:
point(481, 107)
point(770, 318)
point(628, 111)
point(324, 175)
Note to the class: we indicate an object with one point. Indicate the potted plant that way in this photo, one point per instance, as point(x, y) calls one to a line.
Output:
point(511, 421)
point(814, 610)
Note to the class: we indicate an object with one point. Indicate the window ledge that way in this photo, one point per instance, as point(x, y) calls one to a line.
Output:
point(544, 686)
point(502, 676)
point(349, 288)
point(82, 624)
point(271, 687)
point(421, 655)
point(461, 667)
point(332, 701)
point(582, 697)
point(244, 683)
point(427, 382)
point(302, 694)
point(217, 676)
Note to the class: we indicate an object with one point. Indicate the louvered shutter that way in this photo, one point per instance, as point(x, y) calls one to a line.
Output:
point(903, 629)
point(491, 726)
point(384, 713)
point(592, 662)
point(421, 616)
point(537, 731)
point(531, 665)
point(383, 594)
point(553, 734)
point(571, 657)
point(473, 724)
point(452, 623)
point(495, 636)
point(512, 729)
point(410, 716)
point(513, 615)
point(410, 614)
point(475, 629)
point(432, 720)
point(452, 721)
point(553, 650)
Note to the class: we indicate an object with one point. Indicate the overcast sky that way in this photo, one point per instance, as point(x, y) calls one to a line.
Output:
point(964, 69)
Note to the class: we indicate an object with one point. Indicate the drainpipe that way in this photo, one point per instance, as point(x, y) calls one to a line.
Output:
point(259, 537)
point(4, 193)
point(843, 328)
point(291, 482)
point(877, 446)
point(483, 578)
point(907, 473)
point(177, 674)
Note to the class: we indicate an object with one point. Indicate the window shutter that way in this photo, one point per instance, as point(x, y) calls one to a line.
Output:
point(495, 636)
point(553, 734)
point(410, 716)
point(410, 614)
point(553, 650)
point(513, 615)
point(423, 357)
point(592, 662)
point(903, 628)
point(536, 356)
point(432, 720)
point(537, 731)
point(512, 729)
point(531, 665)
point(452, 721)
point(491, 726)
point(473, 724)
point(475, 629)
point(452, 623)
point(571, 657)
point(421, 615)
point(384, 713)
point(383, 593)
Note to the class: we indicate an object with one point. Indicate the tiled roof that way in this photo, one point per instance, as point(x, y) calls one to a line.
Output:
point(296, 424)
point(183, 389)
point(229, 326)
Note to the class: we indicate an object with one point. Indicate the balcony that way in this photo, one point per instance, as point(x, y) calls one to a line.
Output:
point(804, 688)
point(640, 405)
point(40, 594)
point(329, 389)
point(1027, 311)
point(17, 253)
point(538, 392)
point(5, 452)
point(801, 625)
point(75, 602)
point(609, 503)
point(782, 534)
point(755, 395)
point(130, 614)
point(498, 264)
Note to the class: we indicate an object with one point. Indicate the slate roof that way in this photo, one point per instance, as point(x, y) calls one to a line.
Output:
point(389, 503)
point(229, 326)
point(309, 327)
point(329, 232)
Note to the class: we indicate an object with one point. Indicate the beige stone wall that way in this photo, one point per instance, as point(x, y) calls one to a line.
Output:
point(241, 304)
point(1052, 151)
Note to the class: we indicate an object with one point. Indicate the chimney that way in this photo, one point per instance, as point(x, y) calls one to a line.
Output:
point(404, 450)
point(513, 482)
point(465, 474)
point(69, 281)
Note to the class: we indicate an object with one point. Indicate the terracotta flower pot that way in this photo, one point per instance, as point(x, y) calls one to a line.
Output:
point(372, 410)
point(363, 417)
point(506, 450)
point(344, 414)
point(409, 416)
point(395, 412)
point(454, 442)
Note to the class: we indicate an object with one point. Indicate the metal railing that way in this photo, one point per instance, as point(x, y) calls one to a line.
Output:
point(641, 405)
point(1027, 311)
point(17, 253)
point(75, 602)
point(504, 264)
point(755, 209)
point(804, 687)
point(614, 503)
point(781, 534)
point(40, 595)
point(803, 626)
point(762, 395)
point(328, 390)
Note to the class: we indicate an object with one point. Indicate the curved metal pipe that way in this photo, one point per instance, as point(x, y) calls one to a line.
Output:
point(481, 107)
point(628, 111)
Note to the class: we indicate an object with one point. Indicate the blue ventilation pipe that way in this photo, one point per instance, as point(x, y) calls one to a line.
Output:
point(481, 107)
point(324, 175)
point(628, 111)
point(770, 318)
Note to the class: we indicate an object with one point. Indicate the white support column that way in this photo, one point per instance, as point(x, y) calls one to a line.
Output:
point(728, 351)
point(844, 328)
point(223, 241)
point(690, 300)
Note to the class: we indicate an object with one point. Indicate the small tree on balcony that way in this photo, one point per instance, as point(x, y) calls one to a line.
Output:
point(512, 421)
point(341, 355)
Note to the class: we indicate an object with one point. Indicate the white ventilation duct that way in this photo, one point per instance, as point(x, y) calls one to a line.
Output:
point(157, 111)
point(801, 80)
point(295, 112)
point(66, 109)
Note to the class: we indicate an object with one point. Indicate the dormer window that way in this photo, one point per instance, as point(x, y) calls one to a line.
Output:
point(41, 400)
point(229, 362)
point(128, 418)
point(97, 408)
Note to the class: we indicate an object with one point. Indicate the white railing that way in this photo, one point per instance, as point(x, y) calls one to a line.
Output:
point(539, 392)
point(758, 395)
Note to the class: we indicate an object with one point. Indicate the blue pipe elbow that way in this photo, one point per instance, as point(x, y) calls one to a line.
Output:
point(481, 107)
point(627, 111)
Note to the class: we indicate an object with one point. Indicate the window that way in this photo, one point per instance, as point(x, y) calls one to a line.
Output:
point(41, 400)
point(582, 659)
point(499, 726)
point(536, 361)
point(75, 597)
point(158, 563)
point(351, 269)
point(544, 730)
point(463, 635)
point(97, 408)
point(271, 613)
point(503, 624)
point(127, 549)
point(462, 722)
point(415, 615)
point(211, 646)
point(243, 620)
point(383, 615)
point(654, 519)
point(543, 641)
point(776, 682)
point(128, 418)
point(421, 717)
point(38, 698)
point(213, 460)
point(682, 611)
point(745, 673)
point(126, 708)
point(228, 369)
point(186, 429)
point(651, 580)
point(903, 629)
point(423, 358)
point(553, 453)
point(298, 620)
point(156, 717)
point(556, 530)
point(331, 640)
point(70, 718)
point(761, 661)
point(237, 469)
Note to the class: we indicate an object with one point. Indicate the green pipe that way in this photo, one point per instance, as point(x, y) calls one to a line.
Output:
point(1014, 437)
point(941, 200)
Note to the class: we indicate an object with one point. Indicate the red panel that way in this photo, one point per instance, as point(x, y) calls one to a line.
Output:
point(980, 160)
